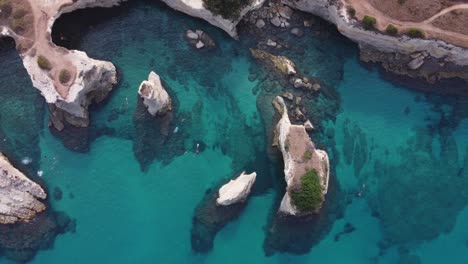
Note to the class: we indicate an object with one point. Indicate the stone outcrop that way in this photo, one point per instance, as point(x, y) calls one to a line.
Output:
point(300, 156)
point(195, 8)
point(451, 61)
point(199, 39)
point(19, 196)
point(154, 96)
point(236, 190)
point(67, 79)
point(283, 65)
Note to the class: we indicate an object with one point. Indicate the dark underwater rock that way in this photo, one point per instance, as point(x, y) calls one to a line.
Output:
point(21, 241)
point(210, 218)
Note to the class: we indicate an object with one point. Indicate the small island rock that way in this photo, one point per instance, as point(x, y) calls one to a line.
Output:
point(155, 97)
point(236, 190)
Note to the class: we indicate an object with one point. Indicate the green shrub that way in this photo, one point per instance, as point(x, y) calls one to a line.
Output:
point(369, 22)
point(309, 198)
point(64, 76)
point(18, 25)
point(351, 12)
point(19, 13)
point(415, 33)
point(307, 155)
point(391, 30)
point(6, 9)
point(229, 9)
point(44, 63)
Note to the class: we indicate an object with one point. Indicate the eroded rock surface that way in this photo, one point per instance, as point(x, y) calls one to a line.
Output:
point(236, 190)
point(19, 196)
point(300, 156)
point(155, 97)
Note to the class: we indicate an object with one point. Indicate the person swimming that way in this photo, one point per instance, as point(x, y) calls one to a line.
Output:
point(197, 149)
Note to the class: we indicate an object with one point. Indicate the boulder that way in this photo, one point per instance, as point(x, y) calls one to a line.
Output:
point(285, 11)
point(191, 35)
point(155, 97)
point(276, 21)
point(271, 43)
point(297, 32)
point(260, 23)
point(236, 190)
point(199, 45)
point(416, 63)
point(19, 196)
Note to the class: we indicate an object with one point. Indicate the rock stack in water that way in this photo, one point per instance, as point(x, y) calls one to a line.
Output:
point(154, 96)
point(237, 190)
point(306, 169)
point(19, 196)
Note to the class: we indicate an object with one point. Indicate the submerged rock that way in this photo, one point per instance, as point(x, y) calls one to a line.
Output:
point(236, 190)
point(199, 39)
point(282, 64)
point(19, 196)
point(300, 159)
point(210, 217)
point(155, 97)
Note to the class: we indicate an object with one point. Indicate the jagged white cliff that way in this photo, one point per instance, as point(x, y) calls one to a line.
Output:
point(155, 97)
point(19, 196)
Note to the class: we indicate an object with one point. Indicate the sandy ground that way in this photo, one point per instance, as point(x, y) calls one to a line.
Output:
point(456, 21)
point(364, 8)
point(412, 10)
point(35, 40)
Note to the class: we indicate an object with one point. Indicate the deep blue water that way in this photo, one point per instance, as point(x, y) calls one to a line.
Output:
point(398, 156)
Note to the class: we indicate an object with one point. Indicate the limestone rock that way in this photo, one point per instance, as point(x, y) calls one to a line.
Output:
point(276, 21)
point(19, 196)
point(199, 45)
point(297, 32)
point(308, 126)
point(260, 23)
point(285, 11)
point(236, 190)
point(300, 156)
point(282, 64)
point(416, 63)
point(155, 97)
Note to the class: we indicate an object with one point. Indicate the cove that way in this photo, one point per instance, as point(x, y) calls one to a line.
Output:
point(399, 156)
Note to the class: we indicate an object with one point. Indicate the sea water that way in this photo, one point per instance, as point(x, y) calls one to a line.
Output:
point(399, 162)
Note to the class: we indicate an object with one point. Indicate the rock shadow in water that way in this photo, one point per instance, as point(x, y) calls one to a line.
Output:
point(209, 219)
point(21, 241)
point(298, 235)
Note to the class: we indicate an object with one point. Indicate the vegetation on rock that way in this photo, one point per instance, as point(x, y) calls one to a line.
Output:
point(369, 22)
point(415, 33)
point(64, 76)
point(229, 9)
point(44, 63)
point(307, 155)
point(391, 30)
point(308, 197)
point(6, 9)
point(351, 12)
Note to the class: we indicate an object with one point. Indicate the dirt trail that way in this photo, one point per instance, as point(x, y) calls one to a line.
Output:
point(445, 11)
point(43, 11)
point(364, 8)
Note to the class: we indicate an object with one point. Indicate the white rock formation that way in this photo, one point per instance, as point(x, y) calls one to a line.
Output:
point(299, 155)
point(195, 8)
point(385, 43)
point(155, 97)
point(19, 196)
point(236, 190)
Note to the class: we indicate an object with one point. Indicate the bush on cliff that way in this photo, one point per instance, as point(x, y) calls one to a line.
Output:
point(64, 76)
point(229, 9)
point(43, 63)
point(415, 33)
point(6, 9)
point(309, 197)
point(19, 13)
point(351, 12)
point(369, 22)
point(391, 30)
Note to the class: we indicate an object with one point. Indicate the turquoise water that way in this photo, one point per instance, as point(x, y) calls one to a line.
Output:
point(398, 155)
